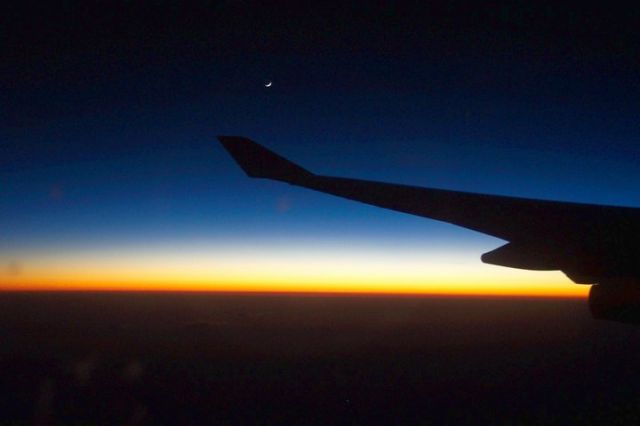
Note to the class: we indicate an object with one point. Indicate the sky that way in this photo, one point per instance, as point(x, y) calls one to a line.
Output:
point(111, 176)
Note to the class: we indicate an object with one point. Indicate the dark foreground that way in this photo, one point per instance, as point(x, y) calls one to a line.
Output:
point(135, 358)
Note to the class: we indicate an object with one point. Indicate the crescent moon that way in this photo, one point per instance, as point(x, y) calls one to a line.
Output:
point(268, 84)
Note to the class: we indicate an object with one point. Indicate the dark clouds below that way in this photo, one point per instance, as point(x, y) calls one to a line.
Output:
point(198, 358)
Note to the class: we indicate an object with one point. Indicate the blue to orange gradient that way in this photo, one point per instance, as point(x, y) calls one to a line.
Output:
point(292, 269)
point(115, 180)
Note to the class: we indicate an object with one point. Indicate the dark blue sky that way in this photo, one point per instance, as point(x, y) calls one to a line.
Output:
point(109, 115)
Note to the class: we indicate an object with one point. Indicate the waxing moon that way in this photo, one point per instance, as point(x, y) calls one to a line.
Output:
point(268, 83)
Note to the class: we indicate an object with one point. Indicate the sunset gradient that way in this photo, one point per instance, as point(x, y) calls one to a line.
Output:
point(111, 176)
point(292, 269)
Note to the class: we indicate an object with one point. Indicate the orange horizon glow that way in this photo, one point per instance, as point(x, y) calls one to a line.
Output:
point(256, 270)
point(123, 286)
point(548, 285)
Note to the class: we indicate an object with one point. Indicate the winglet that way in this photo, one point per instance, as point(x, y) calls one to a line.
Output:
point(259, 162)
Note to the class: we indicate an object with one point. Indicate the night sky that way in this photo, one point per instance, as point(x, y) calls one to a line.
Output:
point(110, 171)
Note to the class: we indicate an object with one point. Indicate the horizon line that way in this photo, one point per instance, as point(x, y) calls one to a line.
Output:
point(305, 293)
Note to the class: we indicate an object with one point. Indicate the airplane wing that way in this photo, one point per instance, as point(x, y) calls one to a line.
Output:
point(590, 243)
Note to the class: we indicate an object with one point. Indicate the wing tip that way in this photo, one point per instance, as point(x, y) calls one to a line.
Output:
point(260, 162)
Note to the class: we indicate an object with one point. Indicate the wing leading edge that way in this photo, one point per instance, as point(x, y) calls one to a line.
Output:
point(590, 243)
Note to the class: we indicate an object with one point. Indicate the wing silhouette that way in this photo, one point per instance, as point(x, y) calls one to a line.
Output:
point(589, 243)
